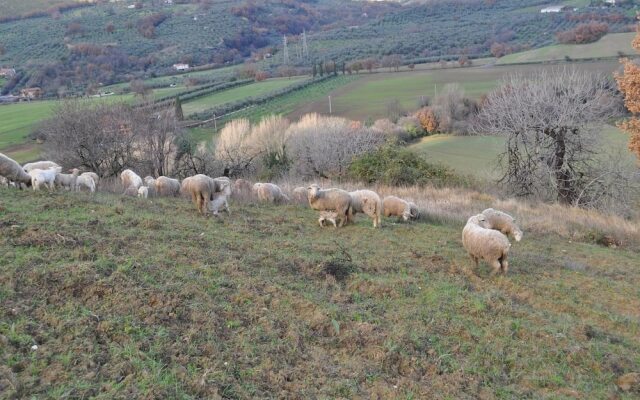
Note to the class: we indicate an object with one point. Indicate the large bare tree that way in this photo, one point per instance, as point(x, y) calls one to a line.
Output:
point(552, 122)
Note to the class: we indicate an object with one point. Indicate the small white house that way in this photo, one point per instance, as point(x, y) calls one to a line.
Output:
point(181, 67)
point(552, 9)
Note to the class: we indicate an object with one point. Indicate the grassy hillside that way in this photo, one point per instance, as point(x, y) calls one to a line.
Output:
point(109, 297)
point(369, 96)
point(477, 155)
point(611, 45)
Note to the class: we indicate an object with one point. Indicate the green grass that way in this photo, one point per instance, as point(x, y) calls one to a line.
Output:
point(610, 45)
point(369, 97)
point(18, 120)
point(128, 298)
point(478, 155)
point(235, 94)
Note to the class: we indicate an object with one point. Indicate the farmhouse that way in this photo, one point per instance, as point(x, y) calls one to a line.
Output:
point(555, 9)
point(31, 93)
point(7, 72)
point(181, 67)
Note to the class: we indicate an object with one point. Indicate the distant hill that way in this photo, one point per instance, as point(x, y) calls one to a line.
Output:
point(69, 51)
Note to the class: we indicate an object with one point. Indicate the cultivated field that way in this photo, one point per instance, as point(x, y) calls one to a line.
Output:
point(235, 94)
point(477, 155)
point(611, 45)
point(110, 297)
point(369, 96)
point(11, 8)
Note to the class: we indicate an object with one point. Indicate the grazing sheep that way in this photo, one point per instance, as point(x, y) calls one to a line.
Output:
point(219, 203)
point(486, 244)
point(225, 185)
point(93, 176)
point(85, 181)
point(268, 192)
point(41, 165)
point(503, 222)
point(165, 186)
point(201, 188)
point(241, 188)
point(67, 181)
point(299, 194)
point(369, 203)
point(143, 192)
point(337, 200)
point(130, 179)
point(12, 171)
point(46, 177)
point(330, 216)
point(149, 181)
point(4, 182)
point(396, 207)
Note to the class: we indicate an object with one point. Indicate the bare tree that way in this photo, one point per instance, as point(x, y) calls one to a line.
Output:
point(236, 149)
point(158, 135)
point(551, 121)
point(324, 147)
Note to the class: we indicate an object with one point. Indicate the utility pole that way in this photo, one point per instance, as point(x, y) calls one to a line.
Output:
point(330, 109)
point(305, 48)
point(285, 53)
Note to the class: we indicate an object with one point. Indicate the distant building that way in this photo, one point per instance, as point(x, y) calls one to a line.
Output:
point(181, 67)
point(555, 9)
point(7, 72)
point(31, 93)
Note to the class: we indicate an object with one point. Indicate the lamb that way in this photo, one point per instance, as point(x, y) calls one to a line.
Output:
point(41, 165)
point(336, 200)
point(268, 192)
point(67, 181)
point(299, 194)
point(502, 222)
point(330, 216)
point(219, 203)
point(12, 171)
point(201, 188)
point(130, 179)
point(486, 244)
point(369, 203)
point(44, 177)
point(143, 192)
point(396, 207)
point(4, 182)
point(165, 186)
point(86, 180)
point(225, 185)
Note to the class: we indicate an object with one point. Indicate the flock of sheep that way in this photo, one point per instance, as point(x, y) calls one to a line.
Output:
point(485, 236)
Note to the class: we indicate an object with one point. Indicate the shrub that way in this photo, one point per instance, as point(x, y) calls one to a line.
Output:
point(393, 165)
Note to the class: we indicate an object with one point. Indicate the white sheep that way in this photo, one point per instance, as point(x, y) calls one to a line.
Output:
point(130, 179)
point(40, 177)
point(241, 188)
point(299, 194)
point(93, 176)
point(369, 203)
point(4, 182)
point(143, 192)
point(486, 244)
point(165, 186)
point(219, 203)
point(67, 181)
point(396, 207)
point(149, 181)
point(201, 189)
point(268, 192)
point(43, 165)
point(225, 185)
point(337, 200)
point(85, 181)
point(328, 216)
point(12, 171)
point(502, 222)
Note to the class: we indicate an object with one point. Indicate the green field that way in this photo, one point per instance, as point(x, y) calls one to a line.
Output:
point(368, 97)
point(477, 155)
point(227, 96)
point(145, 299)
point(611, 45)
point(18, 120)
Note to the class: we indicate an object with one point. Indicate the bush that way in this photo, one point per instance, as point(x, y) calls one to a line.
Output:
point(393, 165)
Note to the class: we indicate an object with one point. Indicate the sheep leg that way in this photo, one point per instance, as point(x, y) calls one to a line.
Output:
point(505, 265)
point(496, 266)
point(475, 260)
